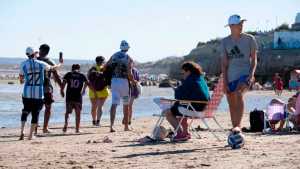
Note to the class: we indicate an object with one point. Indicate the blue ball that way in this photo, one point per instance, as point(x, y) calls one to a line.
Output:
point(236, 140)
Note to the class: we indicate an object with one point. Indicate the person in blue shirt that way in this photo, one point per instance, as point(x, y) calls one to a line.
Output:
point(194, 87)
point(32, 75)
point(120, 64)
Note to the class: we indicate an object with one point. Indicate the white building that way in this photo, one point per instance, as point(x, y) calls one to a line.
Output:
point(288, 39)
point(296, 25)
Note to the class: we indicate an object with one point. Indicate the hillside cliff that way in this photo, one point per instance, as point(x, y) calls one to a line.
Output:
point(270, 60)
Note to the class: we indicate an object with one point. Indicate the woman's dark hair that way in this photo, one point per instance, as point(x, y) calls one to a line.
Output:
point(75, 67)
point(99, 59)
point(193, 67)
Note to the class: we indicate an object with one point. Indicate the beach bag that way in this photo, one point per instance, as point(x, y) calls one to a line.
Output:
point(256, 120)
point(160, 133)
point(136, 90)
point(139, 88)
point(97, 79)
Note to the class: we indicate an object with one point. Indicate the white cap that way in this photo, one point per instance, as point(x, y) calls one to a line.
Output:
point(29, 51)
point(234, 20)
point(124, 45)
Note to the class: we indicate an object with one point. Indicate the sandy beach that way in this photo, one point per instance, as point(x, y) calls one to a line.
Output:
point(111, 61)
point(87, 150)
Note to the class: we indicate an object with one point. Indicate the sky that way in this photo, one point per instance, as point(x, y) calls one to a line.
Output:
point(155, 29)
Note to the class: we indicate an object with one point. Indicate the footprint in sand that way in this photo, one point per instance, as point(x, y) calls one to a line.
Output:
point(71, 162)
point(36, 142)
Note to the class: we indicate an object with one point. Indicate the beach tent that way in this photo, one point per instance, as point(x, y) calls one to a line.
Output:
point(294, 83)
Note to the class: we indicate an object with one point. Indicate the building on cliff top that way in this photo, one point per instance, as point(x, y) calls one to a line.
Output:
point(288, 39)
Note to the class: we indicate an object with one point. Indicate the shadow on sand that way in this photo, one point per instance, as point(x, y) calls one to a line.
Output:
point(172, 152)
point(7, 138)
point(8, 141)
point(82, 127)
point(63, 134)
point(138, 144)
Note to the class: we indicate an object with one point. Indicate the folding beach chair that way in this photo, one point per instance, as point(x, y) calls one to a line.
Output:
point(276, 111)
point(190, 112)
point(163, 104)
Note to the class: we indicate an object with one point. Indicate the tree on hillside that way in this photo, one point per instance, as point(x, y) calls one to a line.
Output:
point(282, 27)
point(254, 33)
point(200, 44)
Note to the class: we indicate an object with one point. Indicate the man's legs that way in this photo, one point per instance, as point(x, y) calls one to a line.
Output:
point(231, 98)
point(25, 111)
point(78, 112)
point(124, 93)
point(112, 116)
point(239, 109)
point(69, 110)
point(48, 100)
point(23, 122)
point(236, 105)
point(125, 111)
point(66, 122)
point(22, 130)
point(36, 108)
point(47, 117)
point(32, 129)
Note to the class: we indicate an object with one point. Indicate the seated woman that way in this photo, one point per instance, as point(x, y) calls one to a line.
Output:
point(193, 87)
point(294, 109)
point(277, 117)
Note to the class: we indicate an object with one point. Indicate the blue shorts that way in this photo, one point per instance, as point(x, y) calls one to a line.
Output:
point(234, 84)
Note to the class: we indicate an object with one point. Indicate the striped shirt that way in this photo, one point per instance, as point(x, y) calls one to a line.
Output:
point(33, 72)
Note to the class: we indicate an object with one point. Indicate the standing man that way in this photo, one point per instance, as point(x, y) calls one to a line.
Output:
point(239, 62)
point(120, 65)
point(76, 85)
point(48, 88)
point(32, 74)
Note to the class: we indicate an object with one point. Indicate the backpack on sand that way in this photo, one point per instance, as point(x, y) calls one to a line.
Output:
point(256, 120)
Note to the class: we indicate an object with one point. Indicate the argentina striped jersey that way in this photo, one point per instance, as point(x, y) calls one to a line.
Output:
point(33, 72)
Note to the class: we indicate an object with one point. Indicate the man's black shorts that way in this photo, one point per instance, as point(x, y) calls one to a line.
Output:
point(33, 106)
point(70, 105)
point(48, 98)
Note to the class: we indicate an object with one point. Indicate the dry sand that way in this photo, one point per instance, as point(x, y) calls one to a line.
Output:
point(87, 150)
